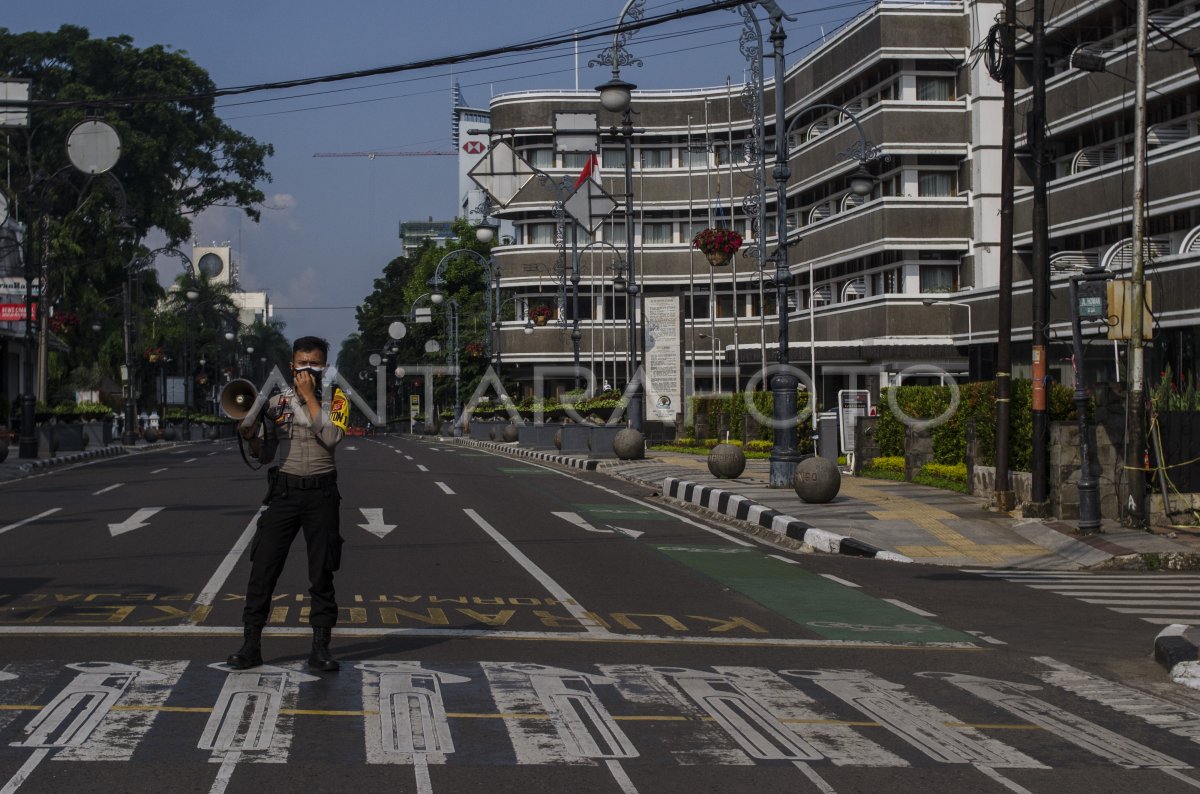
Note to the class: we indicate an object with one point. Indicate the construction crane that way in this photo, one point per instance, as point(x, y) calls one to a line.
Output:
point(373, 155)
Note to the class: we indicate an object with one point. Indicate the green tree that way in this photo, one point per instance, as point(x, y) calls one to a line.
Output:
point(177, 159)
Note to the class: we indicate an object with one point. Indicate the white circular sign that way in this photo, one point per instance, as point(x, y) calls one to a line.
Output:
point(397, 330)
point(432, 346)
point(399, 371)
point(93, 146)
point(374, 359)
point(3, 208)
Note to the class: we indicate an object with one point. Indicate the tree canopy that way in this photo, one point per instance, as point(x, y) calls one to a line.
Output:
point(177, 159)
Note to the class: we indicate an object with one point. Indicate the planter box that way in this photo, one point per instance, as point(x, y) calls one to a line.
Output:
point(98, 433)
point(537, 436)
point(481, 430)
point(601, 441)
point(70, 437)
point(196, 432)
point(575, 439)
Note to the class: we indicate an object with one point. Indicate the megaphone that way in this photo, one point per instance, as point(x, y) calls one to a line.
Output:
point(238, 397)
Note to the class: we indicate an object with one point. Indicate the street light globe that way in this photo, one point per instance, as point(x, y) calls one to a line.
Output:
point(250, 350)
point(229, 336)
point(615, 95)
point(861, 182)
point(432, 346)
point(96, 325)
point(528, 327)
point(485, 233)
point(192, 294)
point(437, 297)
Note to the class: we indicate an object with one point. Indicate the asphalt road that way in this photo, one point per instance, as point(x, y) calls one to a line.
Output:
point(507, 625)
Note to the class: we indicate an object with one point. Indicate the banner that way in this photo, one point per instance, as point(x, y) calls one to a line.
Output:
point(14, 312)
point(664, 370)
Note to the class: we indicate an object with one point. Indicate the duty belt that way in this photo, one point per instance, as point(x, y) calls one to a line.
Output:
point(308, 483)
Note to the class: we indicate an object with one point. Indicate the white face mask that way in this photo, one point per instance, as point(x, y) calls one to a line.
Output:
point(316, 372)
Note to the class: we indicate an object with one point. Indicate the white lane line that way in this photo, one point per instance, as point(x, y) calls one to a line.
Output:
point(189, 630)
point(407, 457)
point(909, 607)
point(724, 536)
point(112, 487)
point(552, 587)
point(209, 593)
point(445, 488)
point(781, 558)
point(23, 522)
point(421, 468)
point(214, 452)
point(25, 771)
point(191, 460)
point(839, 580)
point(156, 471)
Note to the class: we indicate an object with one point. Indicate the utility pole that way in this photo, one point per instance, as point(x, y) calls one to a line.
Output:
point(1004, 493)
point(1135, 420)
point(1036, 133)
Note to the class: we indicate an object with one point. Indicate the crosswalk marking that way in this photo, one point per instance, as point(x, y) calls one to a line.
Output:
point(1159, 599)
point(428, 716)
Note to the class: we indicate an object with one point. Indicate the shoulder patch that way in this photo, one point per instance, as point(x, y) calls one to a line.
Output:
point(339, 410)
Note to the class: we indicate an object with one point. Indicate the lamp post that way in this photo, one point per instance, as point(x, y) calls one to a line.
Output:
point(783, 384)
point(615, 96)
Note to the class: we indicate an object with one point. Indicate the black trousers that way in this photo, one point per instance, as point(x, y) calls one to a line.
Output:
point(315, 510)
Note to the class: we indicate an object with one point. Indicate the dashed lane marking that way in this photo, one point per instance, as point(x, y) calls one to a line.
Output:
point(112, 487)
point(446, 489)
point(29, 520)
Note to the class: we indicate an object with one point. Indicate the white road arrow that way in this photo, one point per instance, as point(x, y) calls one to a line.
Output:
point(135, 521)
point(578, 520)
point(375, 525)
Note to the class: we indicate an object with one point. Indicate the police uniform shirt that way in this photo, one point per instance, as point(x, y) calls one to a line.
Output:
point(308, 433)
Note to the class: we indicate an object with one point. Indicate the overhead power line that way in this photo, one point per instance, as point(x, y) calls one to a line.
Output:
point(447, 60)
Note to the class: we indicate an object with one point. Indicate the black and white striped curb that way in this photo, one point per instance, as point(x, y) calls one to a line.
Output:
point(62, 460)
point(737, 506)
point(1176, 649)
point(587, 464)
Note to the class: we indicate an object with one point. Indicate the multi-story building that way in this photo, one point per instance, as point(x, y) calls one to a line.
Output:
point(885, 286)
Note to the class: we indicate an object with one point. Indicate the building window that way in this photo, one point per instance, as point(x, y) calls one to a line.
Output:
point(886, 282)
point(939, 278)
point(539, 234)
point(613, 233)
point(540, 158)
point(614, 307)
point(575, 160)
point(935, 183)
point(695, 306)
point(656, 158)
point(695, 158)
point(725, 306)
point(935, 89)
point(612, 158)
point(656, 233)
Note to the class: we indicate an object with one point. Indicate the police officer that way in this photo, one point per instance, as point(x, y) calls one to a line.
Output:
point(302, 494)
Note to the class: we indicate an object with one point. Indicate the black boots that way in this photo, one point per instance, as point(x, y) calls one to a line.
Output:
point(320, 658)
point(250, 654)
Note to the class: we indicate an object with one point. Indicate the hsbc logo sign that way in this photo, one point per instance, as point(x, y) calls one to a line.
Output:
point(473, 147)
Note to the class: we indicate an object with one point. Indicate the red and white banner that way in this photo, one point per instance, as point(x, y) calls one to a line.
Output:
point(14, 312)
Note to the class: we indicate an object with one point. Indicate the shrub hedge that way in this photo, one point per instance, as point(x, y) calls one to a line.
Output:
point(976, 401)
point(731, 409)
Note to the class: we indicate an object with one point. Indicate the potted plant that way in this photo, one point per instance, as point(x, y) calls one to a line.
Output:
point(540, 314)
point(718, 245)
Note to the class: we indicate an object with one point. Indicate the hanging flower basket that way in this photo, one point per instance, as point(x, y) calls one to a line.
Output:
point(718, 245)
point(540, 314)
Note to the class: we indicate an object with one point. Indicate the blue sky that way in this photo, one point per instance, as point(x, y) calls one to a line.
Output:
point(330, 225)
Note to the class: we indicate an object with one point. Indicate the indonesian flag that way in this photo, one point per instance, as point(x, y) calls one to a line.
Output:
point(591, 170)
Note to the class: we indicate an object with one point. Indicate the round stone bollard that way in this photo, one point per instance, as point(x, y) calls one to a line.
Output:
point(726, 461)
point(3, 449)
point(213, 434)
point(150, 435)
point(629, 444)
point(170, 434)
point(817, 480)
point(492, 432)
point(511, 433)
point(558, 439)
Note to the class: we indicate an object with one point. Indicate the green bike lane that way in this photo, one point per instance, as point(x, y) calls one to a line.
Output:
point(640, 568)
